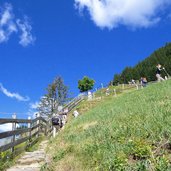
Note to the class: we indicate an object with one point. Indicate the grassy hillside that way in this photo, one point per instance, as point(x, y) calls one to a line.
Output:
point(129, 132)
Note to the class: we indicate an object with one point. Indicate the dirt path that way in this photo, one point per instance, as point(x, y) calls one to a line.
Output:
point(32, 161)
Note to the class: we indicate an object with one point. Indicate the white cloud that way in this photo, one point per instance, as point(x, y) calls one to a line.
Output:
point(13, 95)
point(9, 24)
point(33, 109)
point(6, 127)
point(34, 105)
point(32, 113)
point(6, 15)
point(131, 13)
point(26, 37)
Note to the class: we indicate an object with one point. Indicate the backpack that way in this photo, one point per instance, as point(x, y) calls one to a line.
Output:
point(55, 121)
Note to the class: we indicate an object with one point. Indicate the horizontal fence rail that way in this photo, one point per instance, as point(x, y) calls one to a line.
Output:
point(32, 128)
point(74, 102)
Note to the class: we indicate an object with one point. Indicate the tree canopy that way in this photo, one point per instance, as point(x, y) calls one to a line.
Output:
point(147, 67)
point(57, 95)
point(85, 84)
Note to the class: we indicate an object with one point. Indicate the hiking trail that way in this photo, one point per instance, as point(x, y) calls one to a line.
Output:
point(32, 161)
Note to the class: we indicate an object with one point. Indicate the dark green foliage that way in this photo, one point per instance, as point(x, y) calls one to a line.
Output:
point(85, 84)
point(61, 92)
point(147, 67)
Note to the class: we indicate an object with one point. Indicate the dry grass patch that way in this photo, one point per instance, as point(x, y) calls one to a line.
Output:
point(88, 125)
point(69, 163)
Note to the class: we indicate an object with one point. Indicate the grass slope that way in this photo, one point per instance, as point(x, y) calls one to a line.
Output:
point(129, 132)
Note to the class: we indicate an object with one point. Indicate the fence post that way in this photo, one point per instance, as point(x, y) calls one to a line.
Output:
point(46, 128)
point(38, 121)
point(101, 94)
point(123, 86)
point(141, 86)
point(54, 131)
point(93, 95)
point(45, 133)
point(29, 126)
point(114, 92)
point(137, 86)
point(50, 127)
point(13, 128)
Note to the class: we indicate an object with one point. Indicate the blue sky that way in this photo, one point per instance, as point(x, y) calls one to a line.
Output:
point(42, 39)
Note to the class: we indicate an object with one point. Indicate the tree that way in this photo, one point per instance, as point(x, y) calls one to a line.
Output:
point(85, 84)
point(61, 90)
point(116, 79)
point(147, 67)
point(57, 95)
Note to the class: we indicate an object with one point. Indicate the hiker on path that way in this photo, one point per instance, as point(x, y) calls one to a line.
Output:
point(65, 112)
point(75, 113)
point(64, 119)
point(158, 73)
point(107, 92)
point(144, 81)
point(57, 121)
point(133, 82)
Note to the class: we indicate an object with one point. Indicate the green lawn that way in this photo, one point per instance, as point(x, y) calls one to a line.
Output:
point(130, 132)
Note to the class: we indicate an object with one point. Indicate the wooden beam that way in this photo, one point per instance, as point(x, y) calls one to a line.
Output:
point(13, 144)
point(15, 132)
point(4, 121)
point(39, 118)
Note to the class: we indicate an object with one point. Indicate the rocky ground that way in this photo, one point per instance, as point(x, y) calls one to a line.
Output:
point(32, 161)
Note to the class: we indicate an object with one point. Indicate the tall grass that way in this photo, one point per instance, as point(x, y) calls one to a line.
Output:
point(129, 132)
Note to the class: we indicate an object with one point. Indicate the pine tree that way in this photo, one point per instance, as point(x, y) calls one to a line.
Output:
point(147, 67)
point(57, 95)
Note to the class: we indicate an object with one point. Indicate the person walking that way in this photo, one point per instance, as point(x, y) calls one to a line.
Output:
point(144, 82)
point(75, 113)
point(158, 73)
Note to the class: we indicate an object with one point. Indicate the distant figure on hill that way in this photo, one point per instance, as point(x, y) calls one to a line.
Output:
point(90, 97)
point(63, 119)
point(158, 73)
point(107, 92)
point(65, 111)
point(144, 81)
point(75, 113)
point(57, 121)
point(133, 81)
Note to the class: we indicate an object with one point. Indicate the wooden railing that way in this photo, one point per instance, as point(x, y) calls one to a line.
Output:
point(121, 88)
point(74, 102)
point(30, 133)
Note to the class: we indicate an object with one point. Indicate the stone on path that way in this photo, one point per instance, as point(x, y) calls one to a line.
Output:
point(32, 161)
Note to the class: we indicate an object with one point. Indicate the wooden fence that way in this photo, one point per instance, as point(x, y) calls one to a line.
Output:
point(120, 88)
point(31, 129)
point(74, 102)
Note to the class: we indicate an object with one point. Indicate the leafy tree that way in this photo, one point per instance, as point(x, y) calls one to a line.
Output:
point(116, 80)
point(85, 84)
point(57, 95)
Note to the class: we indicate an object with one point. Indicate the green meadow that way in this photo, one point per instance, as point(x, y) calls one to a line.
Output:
point(130, 132)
